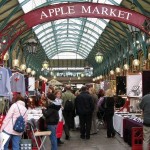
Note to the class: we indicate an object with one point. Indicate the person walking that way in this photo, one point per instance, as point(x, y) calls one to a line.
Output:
point(68, 103)
point(59, 129)
point(92, 92)
point(84, 108)
point(145, 106)
point(108, 105)
point(18, 108)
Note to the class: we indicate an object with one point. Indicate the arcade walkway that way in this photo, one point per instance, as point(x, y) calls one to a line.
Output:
point(97, 142)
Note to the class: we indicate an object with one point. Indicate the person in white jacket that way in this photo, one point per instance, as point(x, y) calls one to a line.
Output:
point(59, 130)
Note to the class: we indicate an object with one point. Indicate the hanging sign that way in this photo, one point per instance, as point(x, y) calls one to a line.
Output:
point(76, 10)
point(70, 10)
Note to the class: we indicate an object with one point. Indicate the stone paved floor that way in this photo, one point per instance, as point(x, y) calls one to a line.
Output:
point(97, 142)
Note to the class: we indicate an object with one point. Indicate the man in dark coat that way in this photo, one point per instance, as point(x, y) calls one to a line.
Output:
point(145, 106)
point(84, 108)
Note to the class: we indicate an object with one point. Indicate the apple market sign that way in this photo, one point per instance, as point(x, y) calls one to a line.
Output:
point(72, 10)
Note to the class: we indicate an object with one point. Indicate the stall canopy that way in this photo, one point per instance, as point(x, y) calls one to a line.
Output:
point(54, 82)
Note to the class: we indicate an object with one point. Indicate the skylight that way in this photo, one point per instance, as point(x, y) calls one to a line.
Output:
point(68, 54)
point(80, 34)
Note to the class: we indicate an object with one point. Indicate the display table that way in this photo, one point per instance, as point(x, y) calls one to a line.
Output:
point(127, 129)
point(118, 123)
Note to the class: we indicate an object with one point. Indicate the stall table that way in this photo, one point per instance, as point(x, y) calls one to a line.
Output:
point(118, 123)
point(127, 129)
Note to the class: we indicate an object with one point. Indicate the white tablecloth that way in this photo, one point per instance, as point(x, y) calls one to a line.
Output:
point(118, 124)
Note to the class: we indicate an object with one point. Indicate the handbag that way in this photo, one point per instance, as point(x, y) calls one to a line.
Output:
point(3, 139)
point(25, 144)
point(59, 129)
point(76, 121)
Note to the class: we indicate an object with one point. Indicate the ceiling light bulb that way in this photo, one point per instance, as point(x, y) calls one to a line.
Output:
point(136, 62)
point(112, 72)
point(126, 67)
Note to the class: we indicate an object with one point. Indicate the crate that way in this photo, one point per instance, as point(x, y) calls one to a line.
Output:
point(137, 138)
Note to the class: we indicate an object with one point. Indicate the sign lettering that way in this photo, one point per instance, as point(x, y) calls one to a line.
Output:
point(70, 10)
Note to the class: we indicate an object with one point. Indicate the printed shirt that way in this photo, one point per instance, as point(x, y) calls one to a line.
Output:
point(18, 83)
point(5, 89)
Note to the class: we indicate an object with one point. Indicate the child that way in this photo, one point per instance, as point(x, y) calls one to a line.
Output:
point(59, 129)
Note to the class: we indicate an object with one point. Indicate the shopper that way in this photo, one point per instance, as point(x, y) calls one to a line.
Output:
point(108, 105)
point(68, 112)
point(92, 92)
point(50, 93)
point(59, 130)
point(84, 108)
point(52, 117)
point(9, 122)
point(100, 113)
point(145, 106)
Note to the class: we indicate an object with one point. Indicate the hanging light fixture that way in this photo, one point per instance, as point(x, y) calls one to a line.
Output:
point(149, 56)
point(45, 65)
point(93, 79)
point(112, 72)
point(99, 57)
point(33, 72)
point(23, 67)
point(100, 77)
point(118, 70)
point(32, 46)
point(126, 67)
point(6, 56)
point(28, 70)
point(136, 62)
point(15, 63)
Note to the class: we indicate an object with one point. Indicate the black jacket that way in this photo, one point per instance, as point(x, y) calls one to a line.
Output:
point(51, 114)
point(108, 105)
point(84, 104)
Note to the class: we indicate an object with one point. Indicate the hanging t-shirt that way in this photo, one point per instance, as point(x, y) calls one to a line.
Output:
point(5, 89)
point(9, 72)
point(18, 83)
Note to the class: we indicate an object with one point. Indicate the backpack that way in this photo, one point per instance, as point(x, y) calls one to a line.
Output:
point(69, 105)
point(19, 125)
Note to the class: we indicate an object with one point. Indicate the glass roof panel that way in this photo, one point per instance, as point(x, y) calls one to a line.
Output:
point(67, 55)
point(63, 32)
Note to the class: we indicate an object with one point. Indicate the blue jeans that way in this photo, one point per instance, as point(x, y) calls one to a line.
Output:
point(53, 137)
point(15, 142)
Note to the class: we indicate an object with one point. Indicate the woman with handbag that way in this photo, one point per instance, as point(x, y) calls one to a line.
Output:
point(14, 112)
point(59, 129)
